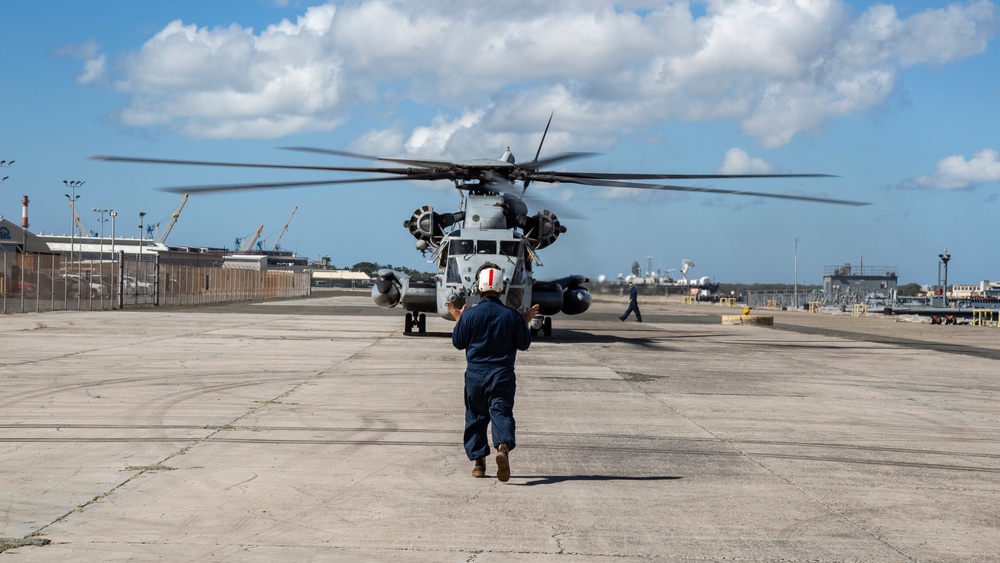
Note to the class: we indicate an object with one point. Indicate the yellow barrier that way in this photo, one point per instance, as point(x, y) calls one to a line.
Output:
point(814, 306)
point(860, 310)
point(727, 301)
point(772, 303)
point(984, 317)
point(689, 299)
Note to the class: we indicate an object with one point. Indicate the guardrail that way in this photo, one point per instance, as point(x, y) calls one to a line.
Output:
point(985, 317)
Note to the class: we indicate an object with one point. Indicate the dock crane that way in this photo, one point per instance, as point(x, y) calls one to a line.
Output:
point(284, 229)
point(249, 245)
point(162, 237)
point(76, 218)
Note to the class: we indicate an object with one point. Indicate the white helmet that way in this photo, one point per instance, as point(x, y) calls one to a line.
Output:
point(490, 279)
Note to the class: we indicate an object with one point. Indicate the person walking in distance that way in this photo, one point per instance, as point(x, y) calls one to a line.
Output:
point(491, 334)
point(633, 304)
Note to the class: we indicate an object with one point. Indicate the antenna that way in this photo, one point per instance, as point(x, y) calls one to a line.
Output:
point(539, 151)
point(685, 266)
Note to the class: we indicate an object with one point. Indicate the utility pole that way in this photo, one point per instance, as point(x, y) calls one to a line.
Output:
point(796, 274)
point(103, 220)
point(944, 256)
point(72, 185)
point(113, 214)
point(141, 215)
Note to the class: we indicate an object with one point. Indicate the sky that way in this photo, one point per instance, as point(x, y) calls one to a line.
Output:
point(900, 101)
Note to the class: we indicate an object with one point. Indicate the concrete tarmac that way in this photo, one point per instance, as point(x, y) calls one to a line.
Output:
point(314, 430)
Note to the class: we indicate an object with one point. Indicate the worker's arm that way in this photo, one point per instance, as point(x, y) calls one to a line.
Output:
point(455, 312)
point(530, 313)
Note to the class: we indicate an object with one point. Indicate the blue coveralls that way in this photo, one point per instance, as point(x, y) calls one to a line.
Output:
point(633, 305)
point(491, 334)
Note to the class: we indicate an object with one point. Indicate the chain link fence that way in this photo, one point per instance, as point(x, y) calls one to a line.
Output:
point(31, 282)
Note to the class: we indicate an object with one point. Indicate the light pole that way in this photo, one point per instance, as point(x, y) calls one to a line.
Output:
point(141, 215)
point(796, 274)
point(113, 214)
point(944, 256)
point(72, 185)
point(103, 220)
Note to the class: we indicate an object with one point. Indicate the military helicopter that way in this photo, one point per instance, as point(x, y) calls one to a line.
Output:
point(492, 226)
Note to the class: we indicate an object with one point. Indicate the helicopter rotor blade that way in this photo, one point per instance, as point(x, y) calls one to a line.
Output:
point(544, 133)
point(626, 176)
point(281, 185)
point(622, 184)
point(331, 152)
point(399, 171)
point(442, 170)
point(414, 162)
point(562, 157)
point(538, 153)
point(536, 164)
point(561, 209)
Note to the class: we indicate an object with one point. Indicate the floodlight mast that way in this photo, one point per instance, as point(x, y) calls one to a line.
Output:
point(74, 220)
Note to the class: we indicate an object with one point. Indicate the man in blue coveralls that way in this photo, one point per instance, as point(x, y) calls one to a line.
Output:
point(633, 304)
point(491, 334)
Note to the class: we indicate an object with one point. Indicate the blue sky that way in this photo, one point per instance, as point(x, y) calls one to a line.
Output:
point(900, 101)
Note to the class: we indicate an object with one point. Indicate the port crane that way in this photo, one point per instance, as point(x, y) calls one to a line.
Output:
point(249, 245)
point(76, 219)
point(162, 237)
point(284, 229)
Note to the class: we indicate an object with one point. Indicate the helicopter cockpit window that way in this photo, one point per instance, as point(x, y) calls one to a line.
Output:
point(518, 278)
point(486, 247)
point(459, 247)
point(454, 275)
point(510, 248)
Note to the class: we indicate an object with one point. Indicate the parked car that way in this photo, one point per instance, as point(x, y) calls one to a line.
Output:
point(45, 286)
point(134, 286)
point(25, 287)
point(85, 287)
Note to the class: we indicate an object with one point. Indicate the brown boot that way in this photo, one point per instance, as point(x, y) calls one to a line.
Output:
point(503, 464)
point(479, 469)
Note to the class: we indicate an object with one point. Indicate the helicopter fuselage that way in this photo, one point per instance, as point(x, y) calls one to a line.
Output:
point(492, 228)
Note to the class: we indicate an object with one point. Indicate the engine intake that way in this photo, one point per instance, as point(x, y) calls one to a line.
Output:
point(428, 227)
point(543, 228)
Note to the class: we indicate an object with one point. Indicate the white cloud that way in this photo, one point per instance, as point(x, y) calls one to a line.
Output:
point(93, 70)
point(94, 62)
point(382, 142)
point(957, 173)
point(229, 82)
point(777, 67)
point(434, 140)
point(737, 161)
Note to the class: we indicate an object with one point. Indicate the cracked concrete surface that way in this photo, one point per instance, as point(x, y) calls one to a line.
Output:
point(295, 430)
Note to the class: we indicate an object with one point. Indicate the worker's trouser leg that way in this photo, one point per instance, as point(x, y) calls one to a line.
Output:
point(489, 397)
point(632, 307)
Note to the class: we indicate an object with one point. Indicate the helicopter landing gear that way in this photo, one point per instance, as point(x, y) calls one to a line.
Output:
point(419, 321)
point(545, 329)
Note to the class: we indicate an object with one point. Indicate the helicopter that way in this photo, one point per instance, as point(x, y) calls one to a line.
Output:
point(492, 226)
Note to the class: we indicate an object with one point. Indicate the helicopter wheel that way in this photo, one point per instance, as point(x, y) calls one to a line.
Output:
point(408, 324)
point(422, 323)
point(534, 332)
point(547, 326)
